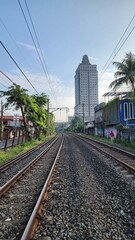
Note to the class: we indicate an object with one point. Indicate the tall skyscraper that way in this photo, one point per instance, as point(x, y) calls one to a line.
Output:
point(86, 89)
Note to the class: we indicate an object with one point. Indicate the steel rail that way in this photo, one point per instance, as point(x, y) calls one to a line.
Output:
point(13, 161)
point(11, 182)
point(109, 146)
point(129, 167)
point(35, 216)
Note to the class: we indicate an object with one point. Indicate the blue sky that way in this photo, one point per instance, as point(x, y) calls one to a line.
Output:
point(66, 29)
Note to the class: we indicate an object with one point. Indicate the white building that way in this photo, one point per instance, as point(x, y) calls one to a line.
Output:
point(86, 89)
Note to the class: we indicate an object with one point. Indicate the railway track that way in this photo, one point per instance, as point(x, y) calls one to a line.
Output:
point(70, 208)
point(82, 202)
point(18, 202)
point(10, 169)
point(15, 160)
point(125, 158)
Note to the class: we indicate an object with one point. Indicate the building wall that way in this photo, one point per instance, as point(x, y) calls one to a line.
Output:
point(127, 112)
point(109, 116)
point(86, 89)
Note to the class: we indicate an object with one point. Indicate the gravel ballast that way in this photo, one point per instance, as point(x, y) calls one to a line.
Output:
point(17, 204)
point(15, 168)
point(90, 198)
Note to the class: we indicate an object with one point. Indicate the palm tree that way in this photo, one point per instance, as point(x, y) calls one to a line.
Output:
point(125, 73)
point(17, 97)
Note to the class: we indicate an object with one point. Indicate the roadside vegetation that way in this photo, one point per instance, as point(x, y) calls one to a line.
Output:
point(123, 142)
point(19, 149)
point(34, 109)
point(35, 112)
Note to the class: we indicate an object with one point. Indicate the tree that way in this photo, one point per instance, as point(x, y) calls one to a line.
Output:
point(77, 124)
point(125, 73)
point(17, 97)
point(37, 112)
point(33, 107)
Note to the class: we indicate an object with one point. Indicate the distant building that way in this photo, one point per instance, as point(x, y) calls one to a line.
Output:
point(12, 121)
point(118, 115)
point(99, 121)
point(86, 89)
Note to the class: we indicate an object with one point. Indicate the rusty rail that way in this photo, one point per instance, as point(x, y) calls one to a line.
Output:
point(126, 165)
point(11, 162)
point(11, 182)
point(35, 216)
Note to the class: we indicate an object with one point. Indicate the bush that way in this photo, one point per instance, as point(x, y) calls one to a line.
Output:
point(125, 142)
point(41, 137)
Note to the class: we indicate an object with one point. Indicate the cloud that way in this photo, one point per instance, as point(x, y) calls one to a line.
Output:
point(93, 58)
point(32, 48)
point(27, 46)
point(53, 87)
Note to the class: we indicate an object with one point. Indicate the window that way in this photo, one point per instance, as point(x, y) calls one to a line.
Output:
point(131, 112)
point(125, 111)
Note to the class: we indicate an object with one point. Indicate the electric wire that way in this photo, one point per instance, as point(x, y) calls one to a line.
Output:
point(18, 66)
point(3, 80)
point(7, 77)
point(13, 40)
point(3, 85)
point(40, 59)
point(43, 59)
point(115, 53)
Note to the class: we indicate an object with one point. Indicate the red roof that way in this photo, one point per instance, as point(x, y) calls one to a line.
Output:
point(11, 118)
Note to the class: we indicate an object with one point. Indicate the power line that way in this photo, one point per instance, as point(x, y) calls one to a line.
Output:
point(42, 60)
point(3, 80)
point(18, 66)
point(118, 50)
point(115, 53)
point(3, 85)
point(7, 77)
point(13, 40)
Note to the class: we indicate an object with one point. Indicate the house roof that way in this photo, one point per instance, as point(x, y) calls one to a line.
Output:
point(11, 118)
point(114, 93)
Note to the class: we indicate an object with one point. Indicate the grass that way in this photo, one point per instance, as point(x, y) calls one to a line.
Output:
point(17, 150)
point(124, 142)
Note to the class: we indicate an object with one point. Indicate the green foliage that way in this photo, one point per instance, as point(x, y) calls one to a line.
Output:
point(33, 108)
point(41, 137)
point(119, 126)
point(77, 124)
point(17, 97)
point(125, 73)
point(110, 111)
point(19, 149)
point(13, 152)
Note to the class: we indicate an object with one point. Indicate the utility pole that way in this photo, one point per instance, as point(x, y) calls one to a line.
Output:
point(83, 118)
point(1, 127)
point(48, 133)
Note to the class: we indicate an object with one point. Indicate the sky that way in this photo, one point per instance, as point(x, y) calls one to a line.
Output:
point(66, 30)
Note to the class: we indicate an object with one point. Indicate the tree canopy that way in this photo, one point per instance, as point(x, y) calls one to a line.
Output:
point(33, 108)
point(125, 73)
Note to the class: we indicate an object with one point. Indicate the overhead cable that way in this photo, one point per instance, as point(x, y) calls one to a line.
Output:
point(18, 66)
point(7, 77)
point(115, 53)
point(13, 40)
point(42, 61)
